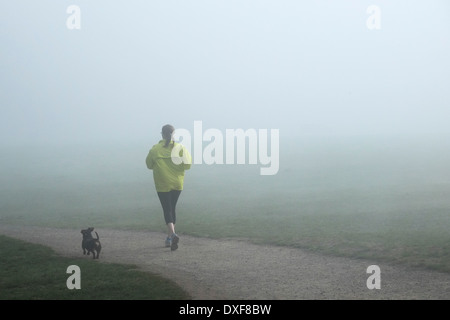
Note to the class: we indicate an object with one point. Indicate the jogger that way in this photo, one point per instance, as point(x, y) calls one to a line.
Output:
point(168, 176)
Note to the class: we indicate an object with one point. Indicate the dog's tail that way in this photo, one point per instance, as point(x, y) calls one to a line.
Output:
point(98, 238)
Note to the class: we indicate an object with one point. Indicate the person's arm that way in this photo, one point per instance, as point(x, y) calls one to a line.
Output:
point(149, 160)
point(187, 165)
point(187, 159)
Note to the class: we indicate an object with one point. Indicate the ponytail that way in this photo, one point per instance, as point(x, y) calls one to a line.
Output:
point(166, 132)
point(168, 142)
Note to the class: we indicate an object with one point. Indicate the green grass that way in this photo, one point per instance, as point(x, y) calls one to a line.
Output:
point(392, 238)
point(35, 272)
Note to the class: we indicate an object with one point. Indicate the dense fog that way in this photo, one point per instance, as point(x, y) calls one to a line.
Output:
point(331, 100)
point(115, 71)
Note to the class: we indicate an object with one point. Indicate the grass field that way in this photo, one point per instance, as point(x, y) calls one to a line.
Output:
point(380, 198)
point(46, 279)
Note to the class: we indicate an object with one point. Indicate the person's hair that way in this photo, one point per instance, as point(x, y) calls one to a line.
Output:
point(166, 132)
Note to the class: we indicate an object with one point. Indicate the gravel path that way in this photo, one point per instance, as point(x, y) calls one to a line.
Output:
point(238, 270)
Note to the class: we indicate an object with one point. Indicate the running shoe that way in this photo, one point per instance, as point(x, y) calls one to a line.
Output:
point(168, 242)
point(174, 244)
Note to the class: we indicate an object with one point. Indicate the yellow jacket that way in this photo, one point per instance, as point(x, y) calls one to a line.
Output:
point(167, 173)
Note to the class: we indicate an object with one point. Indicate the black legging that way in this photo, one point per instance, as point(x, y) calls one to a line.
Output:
point(169, 203)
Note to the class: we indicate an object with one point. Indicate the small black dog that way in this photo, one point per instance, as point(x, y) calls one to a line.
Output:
point(90, 244)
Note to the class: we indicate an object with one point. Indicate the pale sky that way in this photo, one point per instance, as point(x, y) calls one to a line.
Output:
point(303, 67)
